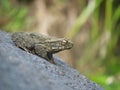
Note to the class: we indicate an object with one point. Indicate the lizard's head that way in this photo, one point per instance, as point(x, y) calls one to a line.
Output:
point(61, 44)
point(66, 44)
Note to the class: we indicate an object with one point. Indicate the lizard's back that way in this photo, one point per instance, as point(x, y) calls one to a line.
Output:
point(25, 39)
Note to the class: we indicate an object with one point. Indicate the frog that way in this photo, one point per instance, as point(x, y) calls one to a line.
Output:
point(41, 45)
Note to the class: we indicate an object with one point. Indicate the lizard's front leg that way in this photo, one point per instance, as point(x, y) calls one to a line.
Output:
point(43, 52)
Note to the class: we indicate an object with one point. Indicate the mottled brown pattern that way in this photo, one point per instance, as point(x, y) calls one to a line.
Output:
point(41, 45)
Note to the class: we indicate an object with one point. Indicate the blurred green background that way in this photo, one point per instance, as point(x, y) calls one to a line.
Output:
point(93, 26)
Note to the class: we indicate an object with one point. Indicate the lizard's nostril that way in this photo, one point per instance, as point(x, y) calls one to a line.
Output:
point(70, 44)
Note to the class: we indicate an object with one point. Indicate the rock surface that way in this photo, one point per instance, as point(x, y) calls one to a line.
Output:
point(20, 70)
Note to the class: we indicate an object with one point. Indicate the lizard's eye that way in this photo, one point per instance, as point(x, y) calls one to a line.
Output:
point(64, 42)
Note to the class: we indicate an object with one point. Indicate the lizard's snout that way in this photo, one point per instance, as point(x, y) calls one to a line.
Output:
point(67, 44)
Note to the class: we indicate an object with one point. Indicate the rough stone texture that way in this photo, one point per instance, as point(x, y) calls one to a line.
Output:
point(20, 70)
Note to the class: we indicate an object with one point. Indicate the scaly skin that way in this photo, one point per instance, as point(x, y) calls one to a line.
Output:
point(41, 45)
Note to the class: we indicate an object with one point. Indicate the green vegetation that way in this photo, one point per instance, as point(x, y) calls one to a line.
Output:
point(101, 48)
point(12, 17)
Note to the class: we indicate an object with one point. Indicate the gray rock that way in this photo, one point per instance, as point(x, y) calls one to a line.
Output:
point(20, 70)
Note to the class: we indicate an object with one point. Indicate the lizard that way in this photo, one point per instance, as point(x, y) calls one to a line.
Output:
point(41, 45)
